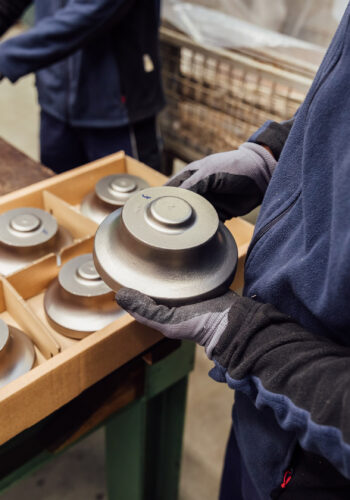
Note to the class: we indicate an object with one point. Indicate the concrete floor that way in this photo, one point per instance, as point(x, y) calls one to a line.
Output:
point(79, 473)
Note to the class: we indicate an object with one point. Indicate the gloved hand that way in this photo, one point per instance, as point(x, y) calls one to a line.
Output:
point(203, 322)
point(234, 182)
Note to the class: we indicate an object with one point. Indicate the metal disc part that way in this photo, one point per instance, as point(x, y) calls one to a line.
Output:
point(78, 302)
point(167, 243)
point(17, 353)
point(110, 193)
point(27, 234)
point(26, 227)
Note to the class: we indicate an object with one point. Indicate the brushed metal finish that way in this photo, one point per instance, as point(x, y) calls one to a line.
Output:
point(26, 227)
point(78, 302)
point(17, 353)
point(26, 234)
point(117, 189)
point(167, 243)
point(95, 209)
point(110, 193)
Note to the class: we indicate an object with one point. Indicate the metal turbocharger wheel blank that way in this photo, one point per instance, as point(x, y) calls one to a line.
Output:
point(17, 353)
point(78, 302)
point(110, 193)
point(26, 234)
point(167, 243)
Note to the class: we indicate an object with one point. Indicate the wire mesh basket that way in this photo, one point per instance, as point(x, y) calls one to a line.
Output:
point(217, 98)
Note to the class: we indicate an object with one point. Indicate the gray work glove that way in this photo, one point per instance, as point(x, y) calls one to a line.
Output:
point(234, 182)
point(203, 322)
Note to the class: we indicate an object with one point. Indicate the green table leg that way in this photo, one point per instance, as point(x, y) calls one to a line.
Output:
point(166, 424)
point(125, 453)
point(144, 441)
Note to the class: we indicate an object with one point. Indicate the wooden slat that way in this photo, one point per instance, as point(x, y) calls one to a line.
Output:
point(77, 224)
point(25, 317)
point(18, 170)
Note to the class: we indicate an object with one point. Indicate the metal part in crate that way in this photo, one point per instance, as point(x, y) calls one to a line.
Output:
point(217, 98)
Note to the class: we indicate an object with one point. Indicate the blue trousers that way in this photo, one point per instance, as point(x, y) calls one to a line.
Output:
point(63, 147)
point(235, 481)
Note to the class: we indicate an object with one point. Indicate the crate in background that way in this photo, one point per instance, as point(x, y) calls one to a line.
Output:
point(217, 98)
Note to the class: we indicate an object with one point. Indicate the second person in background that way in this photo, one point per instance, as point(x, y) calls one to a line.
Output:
point(98, 78)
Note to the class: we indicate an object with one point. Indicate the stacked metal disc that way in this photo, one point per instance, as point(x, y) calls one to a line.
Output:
point(17, 353)
point(111, 192)
point(167, 243)
point(26, 234)
point(78, 302)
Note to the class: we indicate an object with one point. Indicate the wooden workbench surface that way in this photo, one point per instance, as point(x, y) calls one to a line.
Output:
point(17, 170)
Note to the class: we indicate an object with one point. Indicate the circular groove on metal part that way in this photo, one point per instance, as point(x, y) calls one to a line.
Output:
point(170, 218)
point(12, 259)
point(79, 302)
point(116, 189)
point(169, 244)
point(25, 223)
point(27, 227)
point(87, 271)
point(123, 185)
point(79, 277)
point(171, 211)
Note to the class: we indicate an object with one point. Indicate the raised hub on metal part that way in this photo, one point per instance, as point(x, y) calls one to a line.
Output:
point(27, 227)
point(17, 353)
point(26, 234)
point(167, 243)
point(78, 302)
point(110, 193)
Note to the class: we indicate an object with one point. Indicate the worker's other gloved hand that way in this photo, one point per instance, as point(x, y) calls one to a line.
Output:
point(203, 322)
point(234, 182)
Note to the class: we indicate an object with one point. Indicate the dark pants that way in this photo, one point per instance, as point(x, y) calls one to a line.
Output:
point(63, 147)
point(312, 477)
point(235, 481)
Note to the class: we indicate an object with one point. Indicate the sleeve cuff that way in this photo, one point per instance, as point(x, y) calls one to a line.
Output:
point(274, 135)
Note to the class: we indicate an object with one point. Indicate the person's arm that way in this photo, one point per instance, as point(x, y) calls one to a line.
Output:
point(235, 181)
point(303, 378)
point(10, 12)
point(56, 37)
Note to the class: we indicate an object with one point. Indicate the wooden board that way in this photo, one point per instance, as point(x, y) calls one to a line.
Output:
point(18, 170)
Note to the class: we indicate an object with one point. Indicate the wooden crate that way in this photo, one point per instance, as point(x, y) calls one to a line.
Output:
point(217, 98)
point(66, 367)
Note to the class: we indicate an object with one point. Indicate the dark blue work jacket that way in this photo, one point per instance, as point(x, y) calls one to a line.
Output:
point(299, 262)
point(96, 62)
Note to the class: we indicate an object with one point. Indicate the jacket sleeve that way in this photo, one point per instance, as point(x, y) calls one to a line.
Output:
point(273, 135)
point(10, 12)
point(57, 36)
point(302, 377)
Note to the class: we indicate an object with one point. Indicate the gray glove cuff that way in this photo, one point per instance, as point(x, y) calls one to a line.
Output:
point(261, 165)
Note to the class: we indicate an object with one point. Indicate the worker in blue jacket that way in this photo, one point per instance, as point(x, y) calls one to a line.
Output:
point(98, 78)
point(284, 347)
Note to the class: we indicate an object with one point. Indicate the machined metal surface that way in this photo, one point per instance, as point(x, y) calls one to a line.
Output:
point(17, 353)
point(26, 234)
point(167, 243)
point(78, 302)
point(110, 193)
